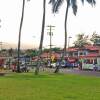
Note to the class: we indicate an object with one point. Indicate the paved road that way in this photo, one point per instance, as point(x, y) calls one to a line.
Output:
point(81, 72)
point(76, 71)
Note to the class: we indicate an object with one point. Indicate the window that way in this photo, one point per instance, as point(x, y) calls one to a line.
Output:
point(75, 53)
point(95, 61)
point(90, 61)
point(81, 53)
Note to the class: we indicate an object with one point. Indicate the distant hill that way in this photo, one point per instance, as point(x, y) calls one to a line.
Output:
point(4, 45)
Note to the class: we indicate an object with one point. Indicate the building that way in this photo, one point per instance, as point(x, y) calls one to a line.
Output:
point(88, 55)
point(86, 51)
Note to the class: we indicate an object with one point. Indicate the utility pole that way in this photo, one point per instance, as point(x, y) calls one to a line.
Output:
point(50, 33)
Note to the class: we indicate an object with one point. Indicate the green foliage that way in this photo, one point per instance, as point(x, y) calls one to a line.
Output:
point(46, 50)
point(81, 41)
point(31, 52)
point(56, 4)
point(10, 51)
point(35, 53)
point(92, 2)
point(56, 49)
point(95, 39)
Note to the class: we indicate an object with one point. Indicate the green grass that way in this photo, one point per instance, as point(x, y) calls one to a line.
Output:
point(27, 86)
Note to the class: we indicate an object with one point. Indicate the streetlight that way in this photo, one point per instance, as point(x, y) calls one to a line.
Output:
point(34, 42)
point(69, 40)
point(68, 43)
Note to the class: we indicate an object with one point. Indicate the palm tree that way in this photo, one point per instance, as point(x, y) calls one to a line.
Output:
point(42, 36)
point(73, 3)
point(19, 37)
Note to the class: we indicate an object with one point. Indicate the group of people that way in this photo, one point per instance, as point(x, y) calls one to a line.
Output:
point(23, 68)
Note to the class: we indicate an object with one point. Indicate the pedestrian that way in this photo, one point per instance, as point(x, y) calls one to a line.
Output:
point(94, 67)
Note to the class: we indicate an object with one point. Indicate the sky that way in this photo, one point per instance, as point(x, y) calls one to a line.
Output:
point(86, 21)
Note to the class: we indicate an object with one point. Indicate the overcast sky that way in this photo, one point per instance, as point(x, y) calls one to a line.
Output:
point(86, 21)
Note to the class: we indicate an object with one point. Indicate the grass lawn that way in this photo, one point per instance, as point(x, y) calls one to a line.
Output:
point(27, 86)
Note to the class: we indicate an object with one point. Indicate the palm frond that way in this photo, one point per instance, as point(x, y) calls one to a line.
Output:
point(52, 2)
point(57, 5)
point(69, 2)
point(92, 2)
point(74, 6)
point(82, 2)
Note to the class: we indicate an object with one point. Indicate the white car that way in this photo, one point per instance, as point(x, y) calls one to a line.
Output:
point(53, 65)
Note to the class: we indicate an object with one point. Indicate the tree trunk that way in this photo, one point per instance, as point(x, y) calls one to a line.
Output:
point(19, 37)
point(65, 42)
point(41, 40)
point(57, 67)
point(66, 17)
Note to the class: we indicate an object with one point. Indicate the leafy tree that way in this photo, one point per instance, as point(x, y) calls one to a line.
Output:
point(35, 53)
point(10, 51)
point(73, 3)
point(46, 50)
point(31, 53)
point(95, 39)
point(28, 52)
point(56, 49)
point(81, 41)
point(52, 49)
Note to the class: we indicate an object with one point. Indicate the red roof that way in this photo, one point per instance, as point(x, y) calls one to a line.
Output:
point(72, 49)
point(92, 55)
point(92, 47)
point(71, 60)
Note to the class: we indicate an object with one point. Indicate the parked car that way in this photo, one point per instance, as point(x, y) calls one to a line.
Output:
point(24, 68)
point(65, 64)
point(52, 65)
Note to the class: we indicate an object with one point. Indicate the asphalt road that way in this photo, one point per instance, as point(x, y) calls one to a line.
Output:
point(76, 71)
point(81, 72)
